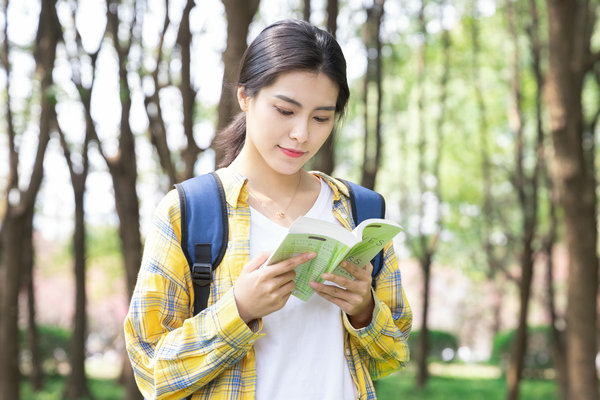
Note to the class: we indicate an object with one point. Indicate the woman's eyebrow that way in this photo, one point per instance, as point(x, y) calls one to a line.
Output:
point(298, 104)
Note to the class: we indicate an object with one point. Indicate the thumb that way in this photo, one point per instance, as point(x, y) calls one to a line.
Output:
point(257, 262)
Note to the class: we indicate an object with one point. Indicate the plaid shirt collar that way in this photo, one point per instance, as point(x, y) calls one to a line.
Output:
point(236, 192)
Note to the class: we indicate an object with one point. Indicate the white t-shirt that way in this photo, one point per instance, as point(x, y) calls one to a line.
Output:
point(301, 355)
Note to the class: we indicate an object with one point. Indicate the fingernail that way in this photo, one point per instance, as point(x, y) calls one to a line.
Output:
point(311, 254)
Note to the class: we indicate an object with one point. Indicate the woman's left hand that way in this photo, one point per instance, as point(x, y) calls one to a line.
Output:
point(356, 300)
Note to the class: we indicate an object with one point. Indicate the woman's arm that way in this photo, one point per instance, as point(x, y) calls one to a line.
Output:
point(172, 354)
point(382, 345)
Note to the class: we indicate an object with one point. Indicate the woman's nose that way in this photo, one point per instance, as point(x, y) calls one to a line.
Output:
point(300, 130)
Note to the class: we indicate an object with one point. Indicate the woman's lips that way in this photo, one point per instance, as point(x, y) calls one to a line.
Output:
point(291, 152)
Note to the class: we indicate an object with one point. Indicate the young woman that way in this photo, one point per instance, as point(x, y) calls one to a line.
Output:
point(254, 340)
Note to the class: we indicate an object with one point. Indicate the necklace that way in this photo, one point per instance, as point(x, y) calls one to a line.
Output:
point(282, 213)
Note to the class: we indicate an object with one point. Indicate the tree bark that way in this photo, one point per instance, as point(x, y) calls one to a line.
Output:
point(422, 365)
point(423, 250)
point(36, 374)
point(239, 16)
point(306, 11)
point(17, 212)
point(570, 25)
point(77, 385)
point(188, 95)
point(426, 244)
point(373, 75)
point(558, 337)
point(549, 239)
point(496, 260)
point(526, 188)
point(10, 375)
point(324, 160)
point(123, 170)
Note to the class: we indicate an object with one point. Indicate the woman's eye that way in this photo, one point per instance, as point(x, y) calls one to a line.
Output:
point(283, 111)
point(321, 119)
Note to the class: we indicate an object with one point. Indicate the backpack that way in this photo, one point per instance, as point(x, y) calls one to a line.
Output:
point(205, 227)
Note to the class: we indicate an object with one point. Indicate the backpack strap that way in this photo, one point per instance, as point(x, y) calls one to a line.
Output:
point(365, 204)
point(204, 230)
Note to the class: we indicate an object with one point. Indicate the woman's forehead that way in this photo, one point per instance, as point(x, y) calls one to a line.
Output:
point(308, 88)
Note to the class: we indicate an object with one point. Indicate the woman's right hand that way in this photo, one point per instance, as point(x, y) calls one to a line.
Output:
point(261, 291)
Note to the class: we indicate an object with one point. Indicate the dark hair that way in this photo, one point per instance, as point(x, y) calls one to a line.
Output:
point(282, 47)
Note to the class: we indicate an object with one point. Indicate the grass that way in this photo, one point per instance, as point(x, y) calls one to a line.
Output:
point(101, 389)
point(400, 385)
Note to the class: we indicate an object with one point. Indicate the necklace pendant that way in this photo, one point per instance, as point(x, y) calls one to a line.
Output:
point(280, 214)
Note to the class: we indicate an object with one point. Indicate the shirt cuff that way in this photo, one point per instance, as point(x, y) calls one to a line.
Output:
point(369, 333)
point(233, 329)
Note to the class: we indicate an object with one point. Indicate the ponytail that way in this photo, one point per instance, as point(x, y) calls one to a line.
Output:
point(231, 139)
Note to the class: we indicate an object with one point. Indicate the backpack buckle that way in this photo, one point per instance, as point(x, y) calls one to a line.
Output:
point(202, 274)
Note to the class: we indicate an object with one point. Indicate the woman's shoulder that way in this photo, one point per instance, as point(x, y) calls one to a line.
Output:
point(169, 201)
point(168, 207)
point(336, 184)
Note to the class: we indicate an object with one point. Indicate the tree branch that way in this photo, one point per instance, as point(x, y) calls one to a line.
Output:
point(157, 129)
point(85, 93)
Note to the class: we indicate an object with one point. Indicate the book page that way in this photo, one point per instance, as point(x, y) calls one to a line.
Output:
point(328, 250)
point(375, 235)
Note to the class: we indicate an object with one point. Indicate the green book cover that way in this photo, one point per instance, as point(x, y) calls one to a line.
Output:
point(333, 244)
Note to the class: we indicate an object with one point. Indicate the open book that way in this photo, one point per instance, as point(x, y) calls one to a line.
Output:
point(333, 244)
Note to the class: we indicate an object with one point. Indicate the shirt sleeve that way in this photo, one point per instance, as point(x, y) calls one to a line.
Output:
point(383, 344)
point(172, 353)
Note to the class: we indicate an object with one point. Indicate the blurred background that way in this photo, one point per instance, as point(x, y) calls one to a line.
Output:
point(476, 119)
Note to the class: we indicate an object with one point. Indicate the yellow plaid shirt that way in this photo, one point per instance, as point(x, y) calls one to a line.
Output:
point(211, 355)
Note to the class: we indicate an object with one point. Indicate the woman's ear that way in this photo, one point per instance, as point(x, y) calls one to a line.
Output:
point(242, 98)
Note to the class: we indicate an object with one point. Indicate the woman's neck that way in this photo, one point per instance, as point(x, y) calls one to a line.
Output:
point(281, 197)
point(264, 180)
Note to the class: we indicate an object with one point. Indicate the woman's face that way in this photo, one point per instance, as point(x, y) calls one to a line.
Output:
point(289, 120)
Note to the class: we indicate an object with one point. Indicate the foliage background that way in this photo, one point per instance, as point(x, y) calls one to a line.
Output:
point(463, 292)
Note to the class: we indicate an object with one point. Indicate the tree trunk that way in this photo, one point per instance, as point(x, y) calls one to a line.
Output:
point(239, 16)
point(36, 375)
point(188, 95)
point(495, 262)
point(558, 337)
point(429, 245)
point(123, 166)
point(425, 247)
point(372, 138)
point(558, 346)
point(10, 375)
point(526, 188)
point(324, 160)
point(519, 346)
point(422, 365)
point(424, 261)
point(570, 26)
point(306, 10)
point(123, 171)
point(14, 226)
point(77, 385)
